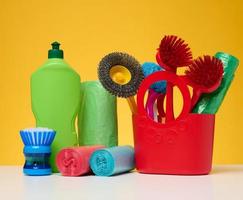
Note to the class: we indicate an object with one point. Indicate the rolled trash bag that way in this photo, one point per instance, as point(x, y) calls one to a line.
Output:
point(97, 119)
point(74, 161)
point(210, 103)
point(112, 161)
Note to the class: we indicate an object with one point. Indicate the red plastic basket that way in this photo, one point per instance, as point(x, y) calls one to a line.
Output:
point(183, 146)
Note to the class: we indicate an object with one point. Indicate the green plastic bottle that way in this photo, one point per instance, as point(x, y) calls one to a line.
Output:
point(55, 95)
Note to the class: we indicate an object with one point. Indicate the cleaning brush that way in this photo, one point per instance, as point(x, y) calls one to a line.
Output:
point(37, 136)
point(37, 150)
point(173, 52)
point(121, 75)
point(204, 74)
point(210, 103)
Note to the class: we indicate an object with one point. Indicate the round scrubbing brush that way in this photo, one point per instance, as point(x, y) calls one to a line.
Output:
point(204, 74)
point(173, 52)
point(121, 74)
point(37, 150)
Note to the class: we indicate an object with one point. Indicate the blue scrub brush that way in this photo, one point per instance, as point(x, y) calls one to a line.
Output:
point(149, 68)
point(37, 150)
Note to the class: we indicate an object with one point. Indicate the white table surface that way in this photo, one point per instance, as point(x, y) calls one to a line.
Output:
point(225, 182)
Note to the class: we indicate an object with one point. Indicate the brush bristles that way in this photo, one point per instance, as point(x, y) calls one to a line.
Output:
point(205, 71)
point(123, 59)
point(37, 136)
point(174, 52)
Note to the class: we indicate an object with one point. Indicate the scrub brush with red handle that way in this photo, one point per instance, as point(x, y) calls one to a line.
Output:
point(204, 75)
point(173, 52)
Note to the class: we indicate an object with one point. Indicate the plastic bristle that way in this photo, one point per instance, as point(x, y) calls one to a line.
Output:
point(44, 137)
point(37, 136)
point(47, 138)
point(50, 139)
point(26, 139)
point(43, 140)
point(34, 134)
point(174, 52)
point(29, 138)
point(205, 71)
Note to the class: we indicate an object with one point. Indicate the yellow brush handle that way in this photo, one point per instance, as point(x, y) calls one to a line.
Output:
point(132, 104)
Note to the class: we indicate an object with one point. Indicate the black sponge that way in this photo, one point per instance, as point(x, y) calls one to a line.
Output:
point(127, 61)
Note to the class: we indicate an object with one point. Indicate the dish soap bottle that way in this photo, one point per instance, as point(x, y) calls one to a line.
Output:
point(55, 97)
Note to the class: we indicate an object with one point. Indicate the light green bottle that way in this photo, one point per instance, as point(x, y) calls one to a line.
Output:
point(55, 96)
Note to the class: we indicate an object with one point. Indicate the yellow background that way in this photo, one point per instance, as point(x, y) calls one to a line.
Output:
point(90, 29)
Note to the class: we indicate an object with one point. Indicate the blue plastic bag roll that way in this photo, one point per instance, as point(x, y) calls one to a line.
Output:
point(111, 161)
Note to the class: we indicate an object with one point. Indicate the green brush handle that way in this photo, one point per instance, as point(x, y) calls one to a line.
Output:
point(210, 103)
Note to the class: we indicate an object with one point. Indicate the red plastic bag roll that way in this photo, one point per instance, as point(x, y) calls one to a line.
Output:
point(74, 161)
